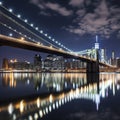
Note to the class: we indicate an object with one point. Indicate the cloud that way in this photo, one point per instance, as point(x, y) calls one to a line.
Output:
point(98, 17)
point(76, 3)
point(59, 9)
point(44, 6)
point(81, 12)
point(44, 13)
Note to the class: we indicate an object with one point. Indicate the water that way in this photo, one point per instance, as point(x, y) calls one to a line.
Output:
point(59, 96)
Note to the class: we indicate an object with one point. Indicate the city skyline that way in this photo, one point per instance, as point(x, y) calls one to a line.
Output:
point(64, 24)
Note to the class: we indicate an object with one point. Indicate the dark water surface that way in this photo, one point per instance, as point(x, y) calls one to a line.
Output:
point(59, 96)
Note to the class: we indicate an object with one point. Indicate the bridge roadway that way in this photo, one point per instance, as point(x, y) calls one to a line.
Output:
point(24, 44)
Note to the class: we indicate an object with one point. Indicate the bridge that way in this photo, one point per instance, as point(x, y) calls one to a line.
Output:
point(31, 38)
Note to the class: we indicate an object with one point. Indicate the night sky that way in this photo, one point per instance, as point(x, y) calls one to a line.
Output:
point(74, 23)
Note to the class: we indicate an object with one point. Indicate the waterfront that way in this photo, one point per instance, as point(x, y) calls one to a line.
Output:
point(63, 96)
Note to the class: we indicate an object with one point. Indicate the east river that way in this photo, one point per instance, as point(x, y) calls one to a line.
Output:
point(59, 96)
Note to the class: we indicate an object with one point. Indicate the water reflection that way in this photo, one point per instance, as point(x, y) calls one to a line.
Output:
point(54, 82)
point(66, 87)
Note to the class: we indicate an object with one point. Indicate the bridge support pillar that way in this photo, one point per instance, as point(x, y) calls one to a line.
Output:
point(92, 67)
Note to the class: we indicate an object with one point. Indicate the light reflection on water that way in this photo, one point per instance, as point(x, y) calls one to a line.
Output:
point(61, 88)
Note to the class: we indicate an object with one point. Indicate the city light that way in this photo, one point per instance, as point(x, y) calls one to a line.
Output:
point(21, 106)
point(35, 116)
point(41, 113)
point(10, 108)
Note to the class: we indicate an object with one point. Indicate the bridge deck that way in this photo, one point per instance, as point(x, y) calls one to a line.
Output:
point(24, 44)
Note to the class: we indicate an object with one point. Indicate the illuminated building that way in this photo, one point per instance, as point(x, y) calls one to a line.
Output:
point(48, 62)
point(103, 55)
point(14, 64)
point(54, 63)
point(113, 59)
point(58, 63)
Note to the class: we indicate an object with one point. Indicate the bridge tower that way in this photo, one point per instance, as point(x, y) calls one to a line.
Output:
point(93, 67)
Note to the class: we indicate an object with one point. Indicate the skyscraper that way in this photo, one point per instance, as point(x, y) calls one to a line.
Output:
point(103, 55)
point(96, 43)
point(37, 62)
point(113, 59)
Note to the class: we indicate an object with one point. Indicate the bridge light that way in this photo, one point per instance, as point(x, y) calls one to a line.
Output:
point(25, 35)
point(46, 35)
point(20, 33)
point(38, 43)
point(19, 16)
point(51, 46)
point(56, 41)
point(31, 25)
point(22, 38)
point(60, 49)
point(9, 27)
point(26, 20)
point(10, 10)
point(10, 34)
point(41, 31)
point(0, 3)
point(49, 37)
point(53, 39)
point(36, 28)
